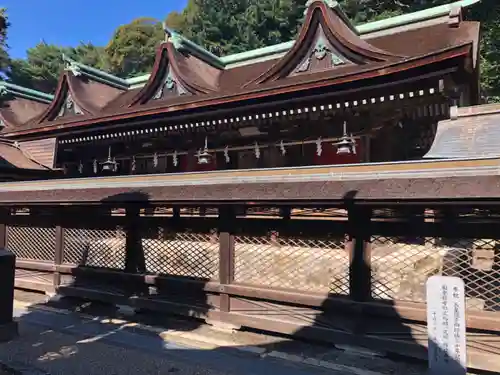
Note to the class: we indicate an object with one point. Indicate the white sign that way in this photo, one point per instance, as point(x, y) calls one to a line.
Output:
point(446, 325)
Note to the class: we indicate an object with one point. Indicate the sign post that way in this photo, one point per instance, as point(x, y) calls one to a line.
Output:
point(446, 325)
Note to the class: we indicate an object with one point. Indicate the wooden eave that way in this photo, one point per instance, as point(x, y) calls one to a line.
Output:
point(418, 182)
point(338, 34)
point(316, 81)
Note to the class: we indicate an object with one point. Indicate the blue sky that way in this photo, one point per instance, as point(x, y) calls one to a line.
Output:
point(67, 23)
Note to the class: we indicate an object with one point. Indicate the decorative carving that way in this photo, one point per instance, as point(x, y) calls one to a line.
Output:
point(170, 83)
point(69, 107)
point(321, 50)
point(304, 67)
point(336, 60)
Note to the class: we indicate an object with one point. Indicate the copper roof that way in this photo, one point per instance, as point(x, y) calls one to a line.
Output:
point(471, 132)
point(12, 156)
point(193, 78)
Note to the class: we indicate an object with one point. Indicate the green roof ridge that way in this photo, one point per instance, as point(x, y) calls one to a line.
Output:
point(182, 43)
point(422, 15)
point(23, 92)
point(367, 28)
point(109, 79)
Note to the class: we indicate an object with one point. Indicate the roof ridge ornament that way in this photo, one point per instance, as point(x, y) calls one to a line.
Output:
point(70, 65)
point(3, 89)
point(455, 16)
point(330, 3)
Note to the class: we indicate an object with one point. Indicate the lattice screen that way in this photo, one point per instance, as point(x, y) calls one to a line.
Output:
point(102, 248)
point(32, 243)
point(189, 254)
point(401, 269)
point(293, 263)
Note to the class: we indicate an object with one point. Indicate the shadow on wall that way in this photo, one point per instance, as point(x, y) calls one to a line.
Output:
point(68, 343)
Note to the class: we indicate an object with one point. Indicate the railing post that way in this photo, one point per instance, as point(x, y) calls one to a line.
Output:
point(59, 251)
point(134, 255)
point(359, 249)
point(226, 253)
point(4, 214)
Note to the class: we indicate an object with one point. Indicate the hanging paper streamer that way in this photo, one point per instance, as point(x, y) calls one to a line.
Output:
point(80, 167)
point(319, 147)
point(257, 151)
point(94, 166)
point(175, 160)
point(226, 154)
point(282, 148)
point(134, 164)
point(155, 160)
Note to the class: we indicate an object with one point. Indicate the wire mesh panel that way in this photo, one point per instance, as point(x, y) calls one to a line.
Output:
point(32, 243)
point(293, 263)
point(400, 269)
point(103, 248)
point(186, 253)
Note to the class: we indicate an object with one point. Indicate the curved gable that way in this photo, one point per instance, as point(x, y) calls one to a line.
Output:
point(177, 72)
point(327, 40)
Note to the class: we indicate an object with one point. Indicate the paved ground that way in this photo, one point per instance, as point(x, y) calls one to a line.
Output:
point(53, 343)
point(65, 337)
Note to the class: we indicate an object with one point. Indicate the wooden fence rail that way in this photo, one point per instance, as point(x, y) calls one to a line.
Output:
point(357, 278)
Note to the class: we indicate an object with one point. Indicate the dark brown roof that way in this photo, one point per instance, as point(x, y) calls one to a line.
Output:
point(13, 157)
point(207, 84)
point(393, 190)
point(17, 111)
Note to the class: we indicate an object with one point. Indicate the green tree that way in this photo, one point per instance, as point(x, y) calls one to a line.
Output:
point(232, 26)
point(91, 55)
point(175, 21)
point(132, 49)
point(4, 25)
point(41, 68)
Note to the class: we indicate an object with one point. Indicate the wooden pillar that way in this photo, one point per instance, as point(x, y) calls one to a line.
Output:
point(4, 215)
point(359, 249)
point(59, 250)
point(226, 253)
point(134, 254)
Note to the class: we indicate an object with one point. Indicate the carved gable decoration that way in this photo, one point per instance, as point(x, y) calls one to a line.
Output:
point(170, 86)
point(327, 41)
point(321, 56)
point(69, 107)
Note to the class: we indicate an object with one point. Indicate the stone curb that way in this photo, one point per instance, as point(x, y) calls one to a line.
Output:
point(203, 342)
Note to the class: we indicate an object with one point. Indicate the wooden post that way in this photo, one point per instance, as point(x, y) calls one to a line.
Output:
point(4, 214)
point(226, 254)
point(359, 248)
point(59, 251)
point(134, 254)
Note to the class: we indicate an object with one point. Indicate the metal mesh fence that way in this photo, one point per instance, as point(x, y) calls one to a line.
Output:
point(293, 263)
point(188, 254)
point(400, 268)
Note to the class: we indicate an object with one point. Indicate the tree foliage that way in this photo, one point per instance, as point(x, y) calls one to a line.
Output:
point(232, 26)
point(132, 48)
point(4, 25)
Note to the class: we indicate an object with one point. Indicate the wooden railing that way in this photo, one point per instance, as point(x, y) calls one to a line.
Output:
point(338, 275)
